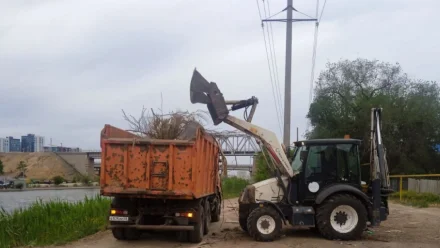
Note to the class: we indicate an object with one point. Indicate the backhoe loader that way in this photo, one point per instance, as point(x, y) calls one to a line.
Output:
point(320, 188)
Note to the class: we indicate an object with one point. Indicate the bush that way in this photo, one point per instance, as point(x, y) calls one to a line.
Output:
point(422, 200)
point(86, 180)
point(262, 171)
point(57, 180)
point(233, 186)
point(19, 186)
point(53, 223)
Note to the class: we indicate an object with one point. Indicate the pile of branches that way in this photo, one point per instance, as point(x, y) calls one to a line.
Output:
point(175, 125)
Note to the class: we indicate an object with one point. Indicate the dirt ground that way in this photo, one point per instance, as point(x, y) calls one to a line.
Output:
point(406, 227)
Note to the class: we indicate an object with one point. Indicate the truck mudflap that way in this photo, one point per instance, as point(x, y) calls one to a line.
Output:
point(155, 227)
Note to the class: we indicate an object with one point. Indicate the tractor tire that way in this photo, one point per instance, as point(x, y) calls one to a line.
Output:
point(207, 219)
point(196, 235)
point(215, 216)
point(118, 233)
point(243, 223)
point(264, 224)
point(342, 217)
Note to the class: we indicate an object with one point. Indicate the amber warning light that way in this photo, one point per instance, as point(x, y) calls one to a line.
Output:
point(189, 215)
point(117, 211)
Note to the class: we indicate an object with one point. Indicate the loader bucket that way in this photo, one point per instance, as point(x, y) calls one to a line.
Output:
point(201, 91)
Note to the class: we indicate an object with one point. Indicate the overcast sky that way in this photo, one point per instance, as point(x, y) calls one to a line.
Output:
point(69, 67)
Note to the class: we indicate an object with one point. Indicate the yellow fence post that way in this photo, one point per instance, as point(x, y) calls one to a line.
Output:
point(401, 187)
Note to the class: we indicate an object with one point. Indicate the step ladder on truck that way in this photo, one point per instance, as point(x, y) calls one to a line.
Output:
point(321, 188)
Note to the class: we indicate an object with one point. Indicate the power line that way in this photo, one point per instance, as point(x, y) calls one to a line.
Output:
point(274, 61)
point(322, 11)
point(315, 42)
point(270, 70)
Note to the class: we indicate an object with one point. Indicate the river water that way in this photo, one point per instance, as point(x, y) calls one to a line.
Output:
point(23, 199)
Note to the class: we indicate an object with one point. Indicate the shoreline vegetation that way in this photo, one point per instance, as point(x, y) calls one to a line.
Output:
point(53, 223)
point(58, 222)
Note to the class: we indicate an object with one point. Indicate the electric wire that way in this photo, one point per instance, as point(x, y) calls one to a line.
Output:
point(280, 99)
point(322, 11)
point(270, 69)
point(273, 56)
point(315, 43)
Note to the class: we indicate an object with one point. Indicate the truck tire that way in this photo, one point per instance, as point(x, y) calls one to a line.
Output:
point(132, 234)
point(207, 219)
point(264, 224)
point(196, 236)
point(118, 233)
point(342, 217)
point(182, 236)
point(215, 217)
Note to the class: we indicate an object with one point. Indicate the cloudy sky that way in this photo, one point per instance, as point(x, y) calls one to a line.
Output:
point(69, 67)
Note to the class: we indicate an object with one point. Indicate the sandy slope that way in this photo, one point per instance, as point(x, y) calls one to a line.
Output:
point(40, 165)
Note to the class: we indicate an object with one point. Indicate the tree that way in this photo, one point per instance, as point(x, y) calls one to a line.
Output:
point(347, 90)
point(2, 168)
point(22, 167)
point(57, 180)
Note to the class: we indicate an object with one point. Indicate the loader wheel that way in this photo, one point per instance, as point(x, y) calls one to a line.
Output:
point(243, 223)
point(215, 216)
point(341, 217)
point(264, 224)
point(196, 235)
point(118, 233)
point(207, 219)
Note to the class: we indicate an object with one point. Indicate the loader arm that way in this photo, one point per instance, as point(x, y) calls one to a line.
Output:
point(269, 140)
point(202, 91)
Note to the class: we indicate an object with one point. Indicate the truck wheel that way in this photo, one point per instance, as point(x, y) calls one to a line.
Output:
point(264, 224)
point(196, 236)
point(132, 234)
point(118, 233)
point(215, 217)
point(243, 223)
point(341, 217)
point(207, 219)
point(182, 236)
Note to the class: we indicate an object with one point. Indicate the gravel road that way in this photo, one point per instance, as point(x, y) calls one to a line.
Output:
point(406, 227)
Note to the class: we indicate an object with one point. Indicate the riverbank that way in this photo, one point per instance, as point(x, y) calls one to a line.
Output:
point(48, 188)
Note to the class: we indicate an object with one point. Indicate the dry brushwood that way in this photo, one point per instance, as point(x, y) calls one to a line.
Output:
point(175, 125)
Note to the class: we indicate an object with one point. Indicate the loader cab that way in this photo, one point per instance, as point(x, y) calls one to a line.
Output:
point(324, 162)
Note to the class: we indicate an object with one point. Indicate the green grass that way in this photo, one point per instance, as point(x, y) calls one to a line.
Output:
point(415, 199)
point(55, 222)
point(232, 186)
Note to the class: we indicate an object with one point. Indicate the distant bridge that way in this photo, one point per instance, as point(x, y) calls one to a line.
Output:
point(232, 143)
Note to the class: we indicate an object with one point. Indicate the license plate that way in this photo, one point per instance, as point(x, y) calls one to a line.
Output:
point(118, 218)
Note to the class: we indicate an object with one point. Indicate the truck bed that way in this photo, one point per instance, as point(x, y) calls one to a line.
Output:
point(151, 168)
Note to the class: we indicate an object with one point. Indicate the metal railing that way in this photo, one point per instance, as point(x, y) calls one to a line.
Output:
point(402, 177)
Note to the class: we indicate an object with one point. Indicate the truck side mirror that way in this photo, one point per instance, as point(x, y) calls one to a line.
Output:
point(303, 155)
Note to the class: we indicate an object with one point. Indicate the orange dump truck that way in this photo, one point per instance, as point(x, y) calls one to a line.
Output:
point(169, 185)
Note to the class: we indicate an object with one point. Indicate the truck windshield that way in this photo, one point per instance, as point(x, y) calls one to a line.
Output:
point(297, 163)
